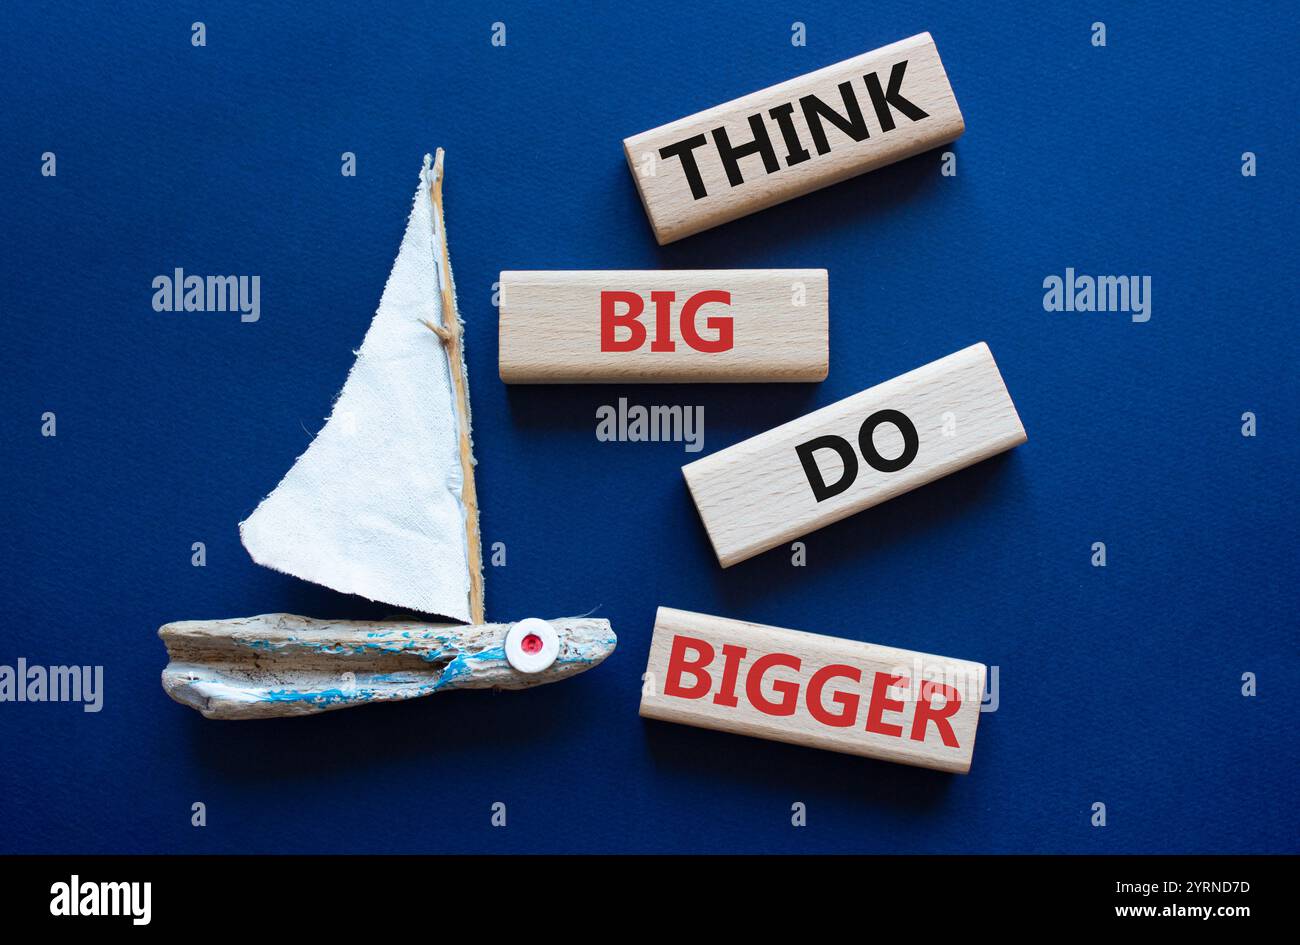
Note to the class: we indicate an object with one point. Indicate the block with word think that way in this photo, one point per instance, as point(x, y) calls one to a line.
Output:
point(663, 326)
point(814, 690)
point(856, 453)
point(794, 138)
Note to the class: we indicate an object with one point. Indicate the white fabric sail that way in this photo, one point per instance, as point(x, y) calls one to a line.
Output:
point(380, 504)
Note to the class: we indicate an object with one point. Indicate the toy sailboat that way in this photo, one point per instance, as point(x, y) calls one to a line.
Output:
point(382, 504)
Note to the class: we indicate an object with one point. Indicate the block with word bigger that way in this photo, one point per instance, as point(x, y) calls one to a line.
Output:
point(663, 326)
point(814, 690)
point(856, 453)
point(794, 138)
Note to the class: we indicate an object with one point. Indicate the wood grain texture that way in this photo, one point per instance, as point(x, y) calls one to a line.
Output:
point(759, 494)
point(577, 327)
point(890, 112)
point(809, 689)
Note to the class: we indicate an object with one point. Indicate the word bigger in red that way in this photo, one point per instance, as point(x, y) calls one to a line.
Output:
point(696, 658)
point(811, 689)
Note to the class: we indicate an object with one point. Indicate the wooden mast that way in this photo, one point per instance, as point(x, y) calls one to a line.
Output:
point(451, 333)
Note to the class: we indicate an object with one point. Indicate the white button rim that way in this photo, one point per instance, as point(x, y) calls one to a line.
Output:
point(531, 663)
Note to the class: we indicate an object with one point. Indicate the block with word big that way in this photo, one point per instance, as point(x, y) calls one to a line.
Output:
point(663, 326)
point(814, 690)
point(856, 453)
point(794, 138)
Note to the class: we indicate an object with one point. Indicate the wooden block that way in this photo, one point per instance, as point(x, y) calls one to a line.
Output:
point(856, 453)
point(794, 138)
point(663, 326)
point(809, 689)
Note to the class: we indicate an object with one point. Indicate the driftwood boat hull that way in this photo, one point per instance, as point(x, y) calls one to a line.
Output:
point(277, 665)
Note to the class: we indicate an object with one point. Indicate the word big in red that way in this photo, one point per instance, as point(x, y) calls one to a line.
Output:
point(632, 305)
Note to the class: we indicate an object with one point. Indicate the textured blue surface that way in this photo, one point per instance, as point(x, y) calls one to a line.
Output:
point(1119, 685)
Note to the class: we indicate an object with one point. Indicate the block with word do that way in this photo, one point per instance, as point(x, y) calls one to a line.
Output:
point(663, 326)
point(814, 690)
point(794, 138)
point(856, 453)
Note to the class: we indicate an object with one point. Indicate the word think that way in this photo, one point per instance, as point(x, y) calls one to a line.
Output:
point(102, 899)
point(181, 293)
point(638, 424)
point(611, 320)
point(1098, 294)
point(884, 101)
point(24, 683)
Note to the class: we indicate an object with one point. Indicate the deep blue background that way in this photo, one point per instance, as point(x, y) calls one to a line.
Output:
point(1119, 685)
